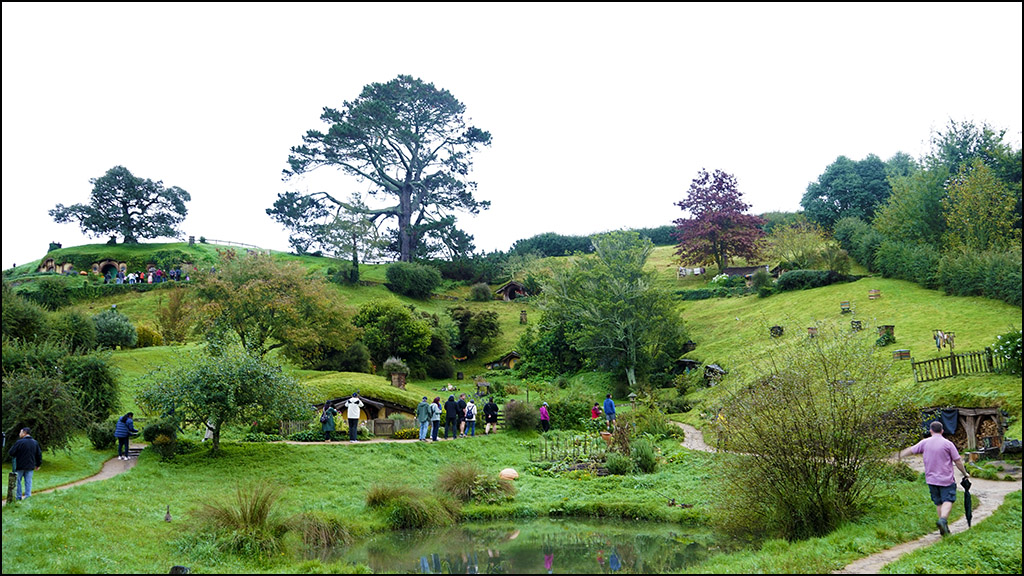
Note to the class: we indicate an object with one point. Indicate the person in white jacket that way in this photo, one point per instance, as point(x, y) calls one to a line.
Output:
point(353, 404)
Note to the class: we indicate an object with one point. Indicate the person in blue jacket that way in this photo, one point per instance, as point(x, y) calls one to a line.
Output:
point(124, 430)
point(609, 411)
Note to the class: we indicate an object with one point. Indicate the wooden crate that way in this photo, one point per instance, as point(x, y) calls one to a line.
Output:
point(874, 294)
point(901, 355)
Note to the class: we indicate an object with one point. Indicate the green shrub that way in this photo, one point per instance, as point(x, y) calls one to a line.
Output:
point(95, 380)
point(1003, 280)
point(644, 456)
point(23, 319)
point(993, 274)
point(75, 329)
point(618, 463)
point(163, 427)
point(761, 279)
point(804, 279)
point(165, 446)
point(53, 293)
point(307, 436)
point(42, 356)
point(907, 261)
point(568, 413)
point(147, 336)
point(412, 280)
point(187, 446)
point(521, 416)
point(114, 329)
point(480, 292)
point(1007, 347)
point(101, 434)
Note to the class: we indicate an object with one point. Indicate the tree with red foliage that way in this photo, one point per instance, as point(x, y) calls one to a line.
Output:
point(718, 229)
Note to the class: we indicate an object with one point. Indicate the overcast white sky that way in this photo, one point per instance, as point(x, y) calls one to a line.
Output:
point(601, 114)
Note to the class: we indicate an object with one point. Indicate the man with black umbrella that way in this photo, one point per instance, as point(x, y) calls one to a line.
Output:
point(940, 456)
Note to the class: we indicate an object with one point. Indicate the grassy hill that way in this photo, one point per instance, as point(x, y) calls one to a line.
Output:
point(731, 332)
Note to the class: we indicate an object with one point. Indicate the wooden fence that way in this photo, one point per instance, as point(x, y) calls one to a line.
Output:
point(979, 362)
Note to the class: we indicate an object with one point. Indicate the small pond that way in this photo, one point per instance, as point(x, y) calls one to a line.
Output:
point(566, 546)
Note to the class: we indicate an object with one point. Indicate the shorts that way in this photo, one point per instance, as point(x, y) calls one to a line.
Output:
point(942, 494)
point(610, 417)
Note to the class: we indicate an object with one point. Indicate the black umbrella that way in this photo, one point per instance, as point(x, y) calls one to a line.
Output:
point(966, 483)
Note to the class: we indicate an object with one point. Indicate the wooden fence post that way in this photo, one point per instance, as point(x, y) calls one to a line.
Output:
point(988, 360)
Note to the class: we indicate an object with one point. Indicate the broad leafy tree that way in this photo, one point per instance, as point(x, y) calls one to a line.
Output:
point(913, 212)
point(392, 329)
point(232, 388)
point(847, 188)
point(979, 210)
point(718, 227)
point(270, 305)
point(610, 307)
point(411, 143)
point(477, 330)
point(128, 206)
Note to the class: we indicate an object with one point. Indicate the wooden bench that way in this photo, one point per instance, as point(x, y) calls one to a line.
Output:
point(874, 294)
point(901, 355)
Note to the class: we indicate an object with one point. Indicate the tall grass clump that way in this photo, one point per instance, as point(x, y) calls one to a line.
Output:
point(809, 438)
point(320, 530)
point(405, 507)
point(467, 482)
point(249, 523)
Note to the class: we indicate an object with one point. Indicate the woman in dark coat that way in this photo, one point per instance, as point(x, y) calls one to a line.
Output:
point(124, 430)
point(327, 425)
point(451, 418)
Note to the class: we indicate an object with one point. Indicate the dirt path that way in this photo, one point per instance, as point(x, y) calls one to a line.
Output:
point(110, 468)
point(989, 495)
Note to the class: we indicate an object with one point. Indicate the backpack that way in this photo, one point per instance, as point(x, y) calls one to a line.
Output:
point(325, 418)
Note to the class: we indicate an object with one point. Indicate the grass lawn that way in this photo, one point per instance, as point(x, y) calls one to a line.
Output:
point(117, 525)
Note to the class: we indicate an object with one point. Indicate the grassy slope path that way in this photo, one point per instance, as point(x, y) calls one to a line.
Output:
point(989, 495)
point(111, 468)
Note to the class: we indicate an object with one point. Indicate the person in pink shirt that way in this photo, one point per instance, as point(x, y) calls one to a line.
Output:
point(940, 456)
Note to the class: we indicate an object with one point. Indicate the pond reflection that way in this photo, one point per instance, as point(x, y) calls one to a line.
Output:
point(536, 547)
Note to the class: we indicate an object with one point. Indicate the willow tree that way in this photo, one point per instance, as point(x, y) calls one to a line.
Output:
point(411, 143)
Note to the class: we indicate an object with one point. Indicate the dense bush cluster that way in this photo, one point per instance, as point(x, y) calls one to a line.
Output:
point(412, 280)
point(804, 279)
point(114, 330)
point(992, 273)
